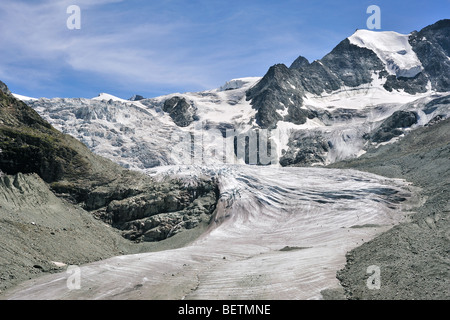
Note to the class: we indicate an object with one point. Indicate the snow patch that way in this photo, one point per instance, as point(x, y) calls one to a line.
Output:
point(23, 98)
point(107, 97)
point(361, 97)
point(392, 48)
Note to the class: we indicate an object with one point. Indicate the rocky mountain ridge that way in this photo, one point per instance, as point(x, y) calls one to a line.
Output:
point(352, 64)
point(372, 88)
point(118, 196)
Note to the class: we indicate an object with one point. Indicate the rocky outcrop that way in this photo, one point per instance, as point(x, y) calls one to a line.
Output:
point(136, 97)
point(281, 90)
point(299, 63)
point(181, 112)
point(160, 211)
point(432, 47)
point(351, 66)
point(277, 91)
point(4, 88)
point(118, 196)
point(394, 125)
point(306, 149)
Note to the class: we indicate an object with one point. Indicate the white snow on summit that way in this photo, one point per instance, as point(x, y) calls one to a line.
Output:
point(392, 48)
point(23, 98)
point(238, 83)
point(107, 97)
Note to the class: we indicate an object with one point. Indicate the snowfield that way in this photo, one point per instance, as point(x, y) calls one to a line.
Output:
point(392, 48)
point(139, 135)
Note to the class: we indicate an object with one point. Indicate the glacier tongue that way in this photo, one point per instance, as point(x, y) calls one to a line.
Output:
point(278, 233)
point(392, 48)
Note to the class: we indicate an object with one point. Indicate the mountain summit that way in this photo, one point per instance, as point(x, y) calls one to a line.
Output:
point(414, 63)
point(372, 88)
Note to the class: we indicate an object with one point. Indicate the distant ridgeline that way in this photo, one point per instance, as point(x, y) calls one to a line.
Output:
point(372, 88)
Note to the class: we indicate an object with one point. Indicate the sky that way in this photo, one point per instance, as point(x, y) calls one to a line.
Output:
point(157, 47)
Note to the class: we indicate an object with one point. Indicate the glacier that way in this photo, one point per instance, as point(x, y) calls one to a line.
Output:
point(278, 233)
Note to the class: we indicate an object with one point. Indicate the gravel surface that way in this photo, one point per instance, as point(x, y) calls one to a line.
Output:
point(413, 257)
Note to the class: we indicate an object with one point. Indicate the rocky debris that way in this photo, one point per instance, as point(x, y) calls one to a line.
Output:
point(306, 148)
point(413, 256)
point(38, 228)
point(392, 126)
point(181, 112)
point(435, 120)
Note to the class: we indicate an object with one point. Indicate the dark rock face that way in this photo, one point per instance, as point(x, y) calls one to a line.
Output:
point(277, 90)
point(418, 84)
point(145, 210)
point(392, 126)
point(305, 149)
point(352, 65)
point(181, 112)
point(299, 63)
point(165, 211)
point(29, 144)
point(4, 88)
point(282, 88)
point(317, 78)
point(136, 97)
point(279, 96)
point(432, 47)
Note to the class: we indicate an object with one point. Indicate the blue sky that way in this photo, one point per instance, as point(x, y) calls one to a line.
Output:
point(156, 47)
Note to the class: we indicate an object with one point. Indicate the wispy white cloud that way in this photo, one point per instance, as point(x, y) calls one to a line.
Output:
point(37, 33)
point(194, 44)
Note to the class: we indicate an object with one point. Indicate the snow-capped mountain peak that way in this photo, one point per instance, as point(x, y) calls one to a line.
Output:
point(371, 89)
point(23, 98)
point(107, 97)
point(392, 48)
